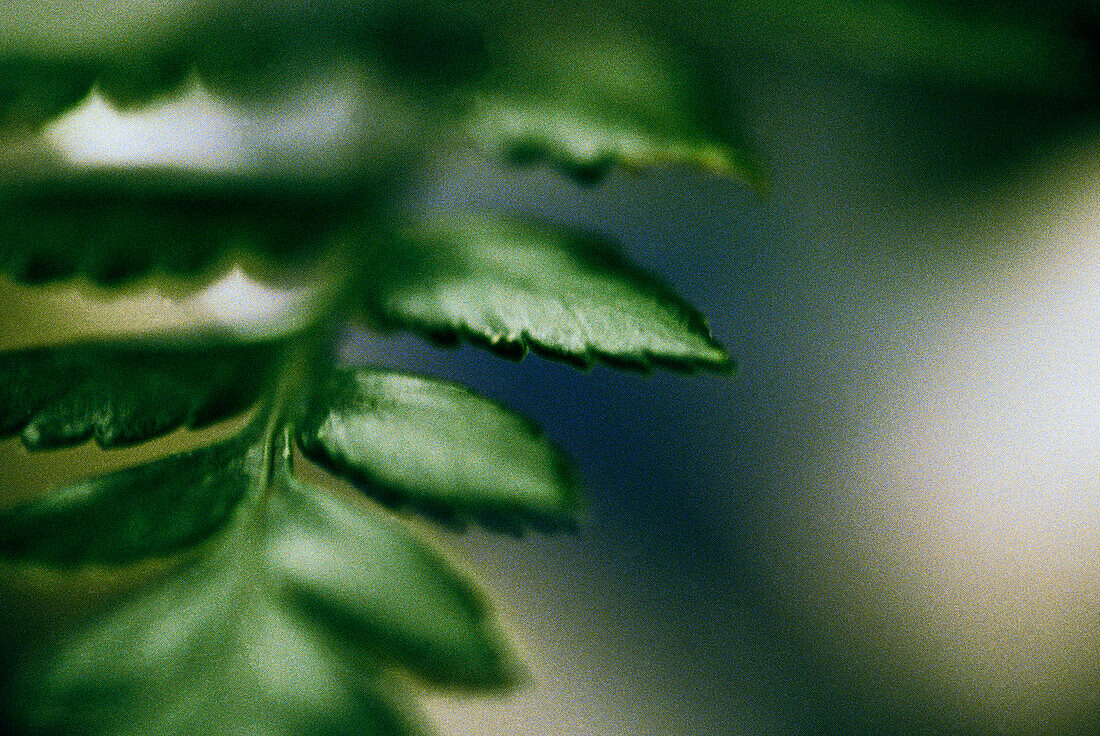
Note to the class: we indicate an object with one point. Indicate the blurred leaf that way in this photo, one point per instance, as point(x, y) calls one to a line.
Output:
point(1017, 46)
point(94, 29)
point(126, 392)
point(34, 92)
point(113, 225)
point(394, 34)
point(381, 593)
point(251, 50)
point(137, 80)
point(439, 448)
point(204, 653)
point(589, 98)
point(515, 285)
point(289, 626)
point(151, 510)
point(246, 53)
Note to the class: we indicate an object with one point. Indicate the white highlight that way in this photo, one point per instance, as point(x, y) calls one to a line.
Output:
point(246, 306)
point(974, 479)
point(313, 127)
point(193, 131)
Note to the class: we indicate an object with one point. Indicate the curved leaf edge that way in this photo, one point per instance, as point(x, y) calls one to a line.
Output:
point(506, 518)
point(448, 336)
point(213, 221)
point(200, 416)
point(709, 158)
point(178, 552)
point(511, 519)
point(597, 246)
point(507, 672)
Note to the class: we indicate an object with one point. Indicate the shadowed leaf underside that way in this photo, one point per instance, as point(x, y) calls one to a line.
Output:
point(126, 392)
point(114, 225)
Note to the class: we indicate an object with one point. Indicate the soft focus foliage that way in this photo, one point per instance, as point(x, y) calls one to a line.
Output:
point(279, 607)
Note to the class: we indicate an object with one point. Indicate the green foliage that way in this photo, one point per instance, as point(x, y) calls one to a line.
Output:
point(147, 511)
point(514, 286)
point(125, 392)
point(33, 92)
point(291, 622)
point(586, 103)
point(112, 226)
point(281, 608)
point(436, 447)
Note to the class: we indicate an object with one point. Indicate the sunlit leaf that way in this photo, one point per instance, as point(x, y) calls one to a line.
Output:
point(291, 625)
point(439, 448)
point(115, 225)
point(381, 593)
point(514, 286)
point(151, 510)
point(125, 392)
point(587, 101)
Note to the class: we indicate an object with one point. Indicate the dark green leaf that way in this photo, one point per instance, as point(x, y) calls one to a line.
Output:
point(116, 225)
point(382, 593)
point(514, 286)
point(34, 92)
point(287, 626)
point(439, 448)
point(393, 34)
point(151, 510)
point(122, 393)
point(205, 652)
point(246, 55)
point(246, 52)
point(243, 54)
point(586, 101)
point(137, 80)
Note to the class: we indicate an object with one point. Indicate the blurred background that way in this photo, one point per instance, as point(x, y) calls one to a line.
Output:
point(887, 520)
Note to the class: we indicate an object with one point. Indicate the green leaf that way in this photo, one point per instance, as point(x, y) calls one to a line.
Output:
point(244, 52)
point(33, 91)
point(438, 448)
point(125, 392)
point(203, 653)
point(137, 80)
point(111, 226)
point(393, 34)
point(291, 625)
point(151, 510)
point(244, 55)
point(519, 285)
point(587, 101)
point(383, 594)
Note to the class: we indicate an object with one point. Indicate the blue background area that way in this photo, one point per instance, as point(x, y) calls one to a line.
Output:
point(686, 476)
